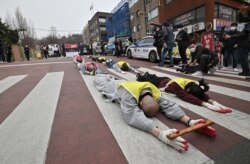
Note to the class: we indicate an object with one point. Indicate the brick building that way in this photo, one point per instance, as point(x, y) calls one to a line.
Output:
point(97, 27)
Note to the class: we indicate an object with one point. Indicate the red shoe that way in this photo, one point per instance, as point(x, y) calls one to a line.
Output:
point(226, 110)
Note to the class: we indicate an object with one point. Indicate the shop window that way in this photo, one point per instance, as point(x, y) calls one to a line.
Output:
point(168, 1)
point(153, 13)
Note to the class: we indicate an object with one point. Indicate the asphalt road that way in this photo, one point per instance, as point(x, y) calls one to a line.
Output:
point(51, 113)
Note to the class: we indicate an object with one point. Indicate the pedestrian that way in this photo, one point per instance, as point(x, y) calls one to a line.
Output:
point(204, 58)
point(187, 90)
point(243, 39)
point(182, 39)
point(231, 48)
point(27, 52)
point(2, 56)
point(159, 42)
point(170, 43)
point(140, 101)
point(63, 50)
point(45, 51)
point(8, 52)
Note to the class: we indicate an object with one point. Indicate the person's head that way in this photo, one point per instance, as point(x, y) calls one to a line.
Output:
point(244, 14)
point(233, 26)
point(91, 67)
point(192, 47)
point(180, 27)
point(197, 90)
point(149, 105)
point(158, 28)
point(124, 67)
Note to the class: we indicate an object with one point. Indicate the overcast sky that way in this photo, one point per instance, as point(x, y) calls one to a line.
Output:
point(68, 16)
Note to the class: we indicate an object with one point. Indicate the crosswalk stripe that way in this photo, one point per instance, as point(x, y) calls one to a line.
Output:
point(236, 121)
point(34, 64)
point(218, 89)
point(138, 150)
point(224, 80)
point(24, 135)
point(10, 81)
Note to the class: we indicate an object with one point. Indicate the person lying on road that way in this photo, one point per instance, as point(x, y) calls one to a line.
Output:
point(186, 89)
point(141, 100)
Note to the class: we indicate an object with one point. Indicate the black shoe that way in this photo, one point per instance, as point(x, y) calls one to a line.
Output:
point(244, 74)
point(171, 66)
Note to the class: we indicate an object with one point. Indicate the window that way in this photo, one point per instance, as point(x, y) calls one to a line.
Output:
point(134, 29)
point(168, 1)
point(103, 28)
point(102, 20)
point(153, 13)
point(200, 14)
point(138, 27)
point(131, 16)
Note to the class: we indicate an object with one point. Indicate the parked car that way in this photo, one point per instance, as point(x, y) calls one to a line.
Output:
point(110, 47)
point(97, 48)
point(144, 49)
point(53, 50)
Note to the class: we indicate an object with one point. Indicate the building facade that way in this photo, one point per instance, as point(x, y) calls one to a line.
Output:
point(97, 27)
point(119, 24)
point(86, 35)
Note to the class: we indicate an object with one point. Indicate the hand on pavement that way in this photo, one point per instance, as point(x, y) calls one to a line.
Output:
point(209, 131)
point(223, 109)
point(178, 143)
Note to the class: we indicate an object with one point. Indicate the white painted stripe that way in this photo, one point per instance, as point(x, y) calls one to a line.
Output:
point(215, 88)
point(32, 64)
point(138, 146)
point(229, 75)
point(214, 78)
point(24, 135)
point(236, 121)
point(127, 74)
point(10, 81)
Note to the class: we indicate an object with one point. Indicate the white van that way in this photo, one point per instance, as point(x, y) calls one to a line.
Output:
point(53, 50)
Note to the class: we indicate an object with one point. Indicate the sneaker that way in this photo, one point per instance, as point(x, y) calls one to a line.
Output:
point(212, 70)
point(244, 74)
point(224, 68)
point(197, 73)
point(236, 70)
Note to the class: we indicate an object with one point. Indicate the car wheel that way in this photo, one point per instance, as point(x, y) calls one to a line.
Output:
point(129, 54)
point(152, 56)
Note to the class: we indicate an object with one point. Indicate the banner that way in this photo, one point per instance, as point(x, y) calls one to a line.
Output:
point(207, 40)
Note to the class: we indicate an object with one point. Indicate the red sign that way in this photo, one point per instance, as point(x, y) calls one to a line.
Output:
point(70, 45)
point(207, 40)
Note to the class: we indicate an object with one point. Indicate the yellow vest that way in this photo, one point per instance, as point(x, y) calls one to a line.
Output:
point(120, 63)
point(182, 82)
point(135, 89)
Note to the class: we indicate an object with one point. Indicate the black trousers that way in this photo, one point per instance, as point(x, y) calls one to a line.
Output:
point(182, 51)
point(243, 53)
point(207, 62)
point(27, 55)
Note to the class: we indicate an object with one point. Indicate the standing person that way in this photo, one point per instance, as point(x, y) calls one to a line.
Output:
point(140, 101)
point(159, 42)
point(231, 47)
point(118, 47)
point(170, 43)
point(2, 57)
point(8, 52)
point(63, 50)
point(127, 44)
point(182, 39)
point(45, 51)
point(243, 39)
point(103, 47)
point(27, 52)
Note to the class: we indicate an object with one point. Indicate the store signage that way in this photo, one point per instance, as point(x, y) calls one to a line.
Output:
point(185, 19)
point(219, 23)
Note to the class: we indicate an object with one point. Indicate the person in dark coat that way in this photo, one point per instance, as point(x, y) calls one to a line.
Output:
point(243, 39)
point(8, 52)
point(204, 58)
point(27, 52)
point(2, 56)
point(182, 39)
point(159, 41)
point(231, 47)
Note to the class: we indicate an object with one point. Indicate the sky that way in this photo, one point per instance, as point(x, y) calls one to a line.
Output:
point(67, 16)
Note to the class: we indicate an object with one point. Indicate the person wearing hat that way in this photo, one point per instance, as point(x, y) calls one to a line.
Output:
point(231, 47)
point(186, 89)
point(140, 101)
point(243, 39)
point(182, 39)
